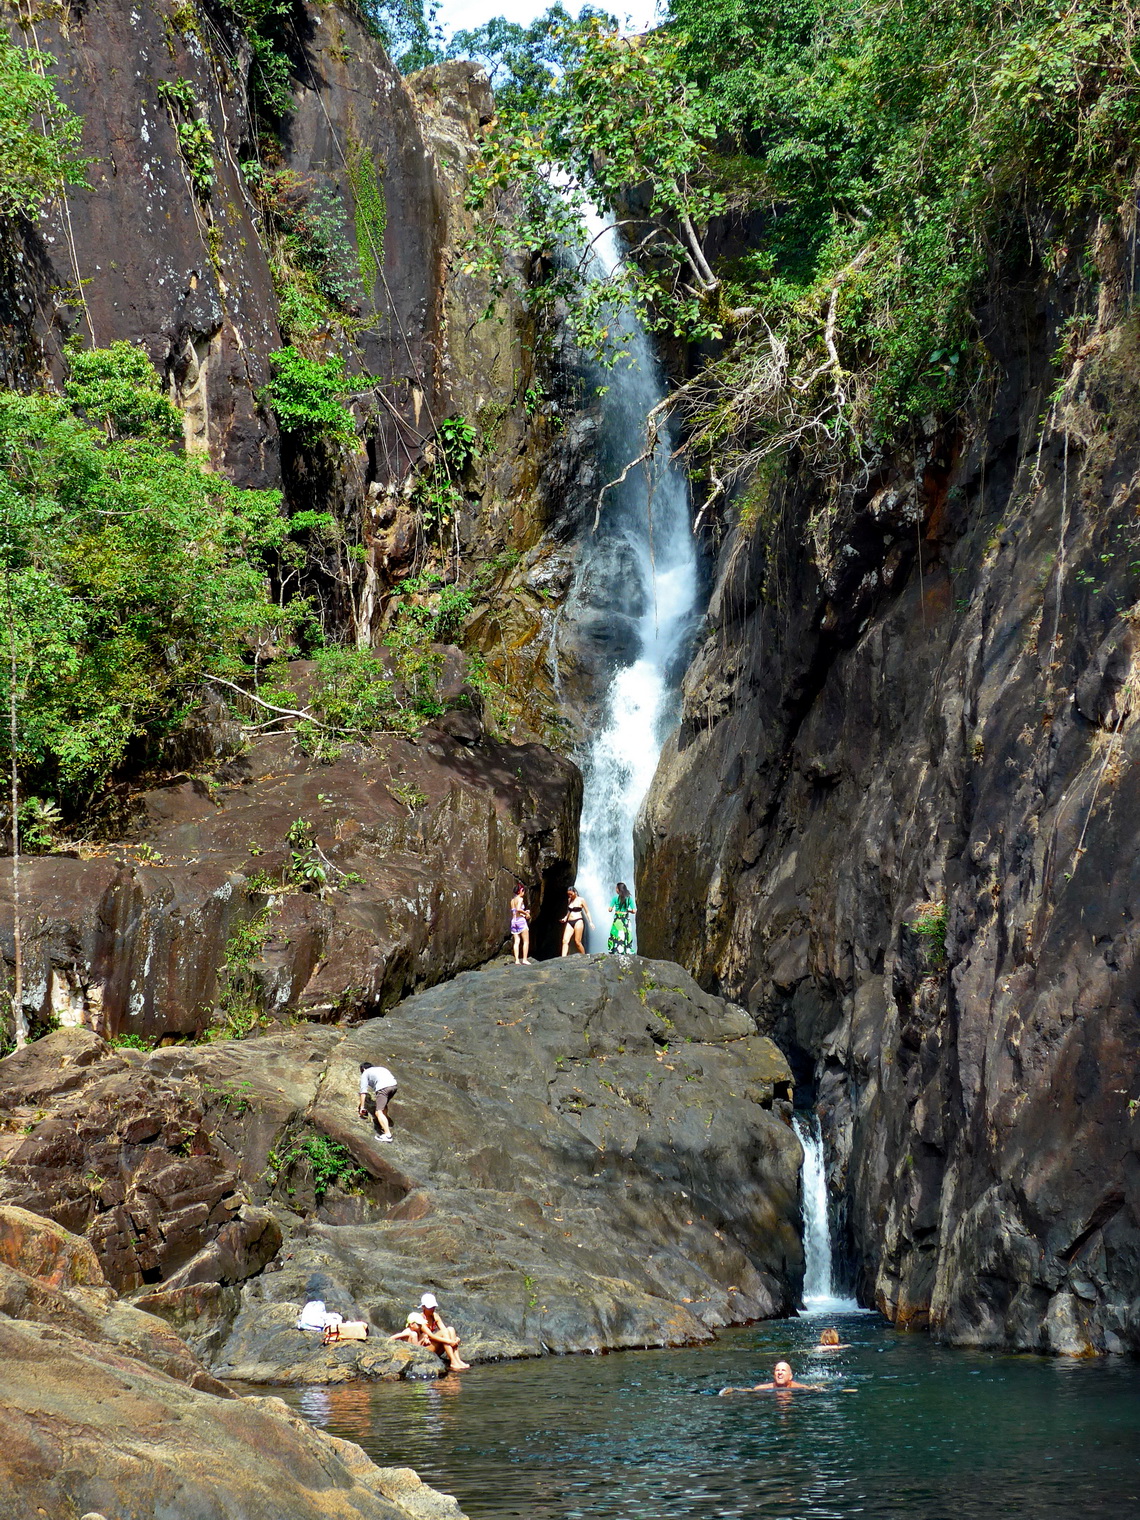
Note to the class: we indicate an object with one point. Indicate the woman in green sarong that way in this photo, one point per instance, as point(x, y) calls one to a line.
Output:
point(621, 936)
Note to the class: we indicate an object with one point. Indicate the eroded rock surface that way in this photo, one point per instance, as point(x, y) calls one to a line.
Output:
point(435, 832)
point(105, 1410)
point(899, 823)
point(589, 1153)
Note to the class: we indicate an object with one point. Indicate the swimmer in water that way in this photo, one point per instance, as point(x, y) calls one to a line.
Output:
point(829, 1341)
point(781, 1378)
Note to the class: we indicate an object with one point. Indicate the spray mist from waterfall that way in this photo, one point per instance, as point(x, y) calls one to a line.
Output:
point(645, 557)
point(819, 1284)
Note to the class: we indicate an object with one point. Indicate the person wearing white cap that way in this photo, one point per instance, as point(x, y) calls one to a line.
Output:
point(425, 1328)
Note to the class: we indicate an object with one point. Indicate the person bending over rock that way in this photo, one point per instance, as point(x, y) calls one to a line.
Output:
point(377, 1084)
point(426, 1328)
point(781, 1378)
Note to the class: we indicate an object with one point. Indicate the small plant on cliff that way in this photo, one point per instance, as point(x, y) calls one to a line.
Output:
point(240, 998)
point(306, 396)
point(330, 1164)
point(930, 924)
point(41, 824)
point(39, 135)
point(438, 492)
point(306, 869)
point(129, 1041)
point(192, 129)
point(309, 220)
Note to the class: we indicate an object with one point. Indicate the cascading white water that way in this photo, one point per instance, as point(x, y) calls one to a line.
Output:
point(643, 566)
point(819, 1286)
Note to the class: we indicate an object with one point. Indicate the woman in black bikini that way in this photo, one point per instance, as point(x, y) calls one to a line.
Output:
point(576, 911)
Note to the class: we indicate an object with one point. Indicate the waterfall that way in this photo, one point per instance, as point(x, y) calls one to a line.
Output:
point(637, 581)
point(819, 1286)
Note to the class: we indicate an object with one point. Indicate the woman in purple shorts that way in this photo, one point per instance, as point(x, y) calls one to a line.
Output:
point(520, 926)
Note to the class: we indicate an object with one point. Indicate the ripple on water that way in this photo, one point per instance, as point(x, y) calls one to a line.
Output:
point(901, 1428)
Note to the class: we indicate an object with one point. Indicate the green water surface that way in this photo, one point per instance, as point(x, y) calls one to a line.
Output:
point(902, 1428)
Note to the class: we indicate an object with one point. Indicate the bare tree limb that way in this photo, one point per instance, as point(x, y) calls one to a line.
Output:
point(285, 712)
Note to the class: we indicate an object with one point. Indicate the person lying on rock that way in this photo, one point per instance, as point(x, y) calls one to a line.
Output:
point(377, 1084)
point(781, 1378)
point(425, 1328)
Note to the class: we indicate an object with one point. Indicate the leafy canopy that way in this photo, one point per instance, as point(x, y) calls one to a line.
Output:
point(132, 573)
point(821, 189)
point(39, 135)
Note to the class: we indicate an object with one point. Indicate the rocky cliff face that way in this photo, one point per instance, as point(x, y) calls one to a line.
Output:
point(420, 846)
point(898, 823)
point(429, 834)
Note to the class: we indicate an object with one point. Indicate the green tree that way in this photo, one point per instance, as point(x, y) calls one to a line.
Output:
point(307, 396)
point(133, 573)
point(874, 166)
point(525, 62)
point(39, 135)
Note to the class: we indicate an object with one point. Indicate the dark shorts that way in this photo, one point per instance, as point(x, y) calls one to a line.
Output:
point(380, 1099)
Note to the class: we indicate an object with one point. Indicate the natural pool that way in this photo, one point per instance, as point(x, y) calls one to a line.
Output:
point(928, 1433)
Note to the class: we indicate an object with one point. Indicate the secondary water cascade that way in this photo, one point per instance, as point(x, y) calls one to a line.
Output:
point(819, 1285)
point(640, 570)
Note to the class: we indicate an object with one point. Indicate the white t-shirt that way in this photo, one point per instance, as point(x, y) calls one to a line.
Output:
point(315, 1317)
point(375, 1079)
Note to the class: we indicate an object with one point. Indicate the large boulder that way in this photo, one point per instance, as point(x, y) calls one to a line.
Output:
point(589, 1153)
point(125, 1161)
point(421, 845)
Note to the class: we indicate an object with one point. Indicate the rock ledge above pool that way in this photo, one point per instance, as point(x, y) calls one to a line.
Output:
point(590, 1153)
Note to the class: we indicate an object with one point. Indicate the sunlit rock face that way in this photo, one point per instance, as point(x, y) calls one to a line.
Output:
point(103, 1405)
point(898, 822)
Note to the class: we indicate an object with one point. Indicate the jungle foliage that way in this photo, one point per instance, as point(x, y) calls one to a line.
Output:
point(39, 135)
point(129, 573)
point(820, 191)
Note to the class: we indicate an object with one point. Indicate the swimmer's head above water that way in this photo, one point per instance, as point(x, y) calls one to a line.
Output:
point(782, 1378)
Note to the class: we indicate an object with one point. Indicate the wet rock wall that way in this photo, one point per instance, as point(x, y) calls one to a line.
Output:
point(898, 822)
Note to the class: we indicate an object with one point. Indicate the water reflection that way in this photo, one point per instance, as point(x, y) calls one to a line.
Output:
point(926, 1433)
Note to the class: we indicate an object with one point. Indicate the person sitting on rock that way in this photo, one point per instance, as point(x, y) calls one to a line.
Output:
point(781, 1379)
point(377, 1085)
point(426, 1328)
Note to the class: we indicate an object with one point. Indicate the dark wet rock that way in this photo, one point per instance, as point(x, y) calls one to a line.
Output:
point(589, 1153)
point(106, 1412)
point(874, 759)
